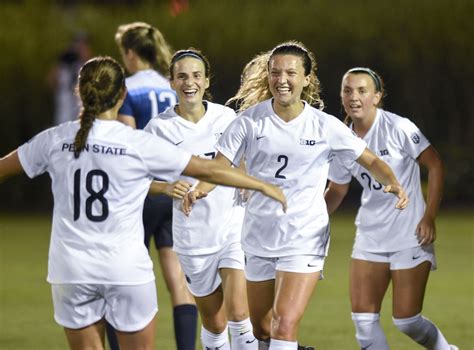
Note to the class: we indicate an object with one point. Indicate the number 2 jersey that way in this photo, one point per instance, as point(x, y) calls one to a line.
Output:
point(148, 93)
point(97, 230)
point(215, 221)
point(380, 227)
point(294, 155)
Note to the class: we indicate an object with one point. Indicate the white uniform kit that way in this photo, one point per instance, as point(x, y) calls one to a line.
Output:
point(380, 227)
point(215, 221)
point(294, 155)
point(97, 230)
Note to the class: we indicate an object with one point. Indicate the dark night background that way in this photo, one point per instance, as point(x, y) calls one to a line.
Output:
point(423, 50)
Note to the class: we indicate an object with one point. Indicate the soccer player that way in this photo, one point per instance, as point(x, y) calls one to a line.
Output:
point(208, 241)
point(286, 141)
point(101, 171)
point(390, 245)
point(146, 56)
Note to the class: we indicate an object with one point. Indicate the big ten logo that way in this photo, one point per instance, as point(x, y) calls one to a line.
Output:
point(305, 142)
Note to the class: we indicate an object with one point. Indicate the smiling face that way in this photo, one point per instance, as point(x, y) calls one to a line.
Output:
point(189, 80)
point(286, 79)
point(359, 96)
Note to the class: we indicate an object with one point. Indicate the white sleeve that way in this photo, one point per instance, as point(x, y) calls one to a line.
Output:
point(338, 171)
point(153, 127)
point(233, 142)
point(34, 154)
point(343, 141)
point(163, 159)
point(410, 138)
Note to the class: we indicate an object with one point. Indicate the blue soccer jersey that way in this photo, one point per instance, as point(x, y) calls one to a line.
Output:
point(148, 94)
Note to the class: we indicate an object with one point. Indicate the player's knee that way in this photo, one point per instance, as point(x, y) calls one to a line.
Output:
point(215, 326)
point(284, 326)
point(368, 330)
point(237, 312)
point(416, 327)
point(261, 331)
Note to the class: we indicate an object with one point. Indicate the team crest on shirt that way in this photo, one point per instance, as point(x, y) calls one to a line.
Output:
point(415, 138)
point(305, 142)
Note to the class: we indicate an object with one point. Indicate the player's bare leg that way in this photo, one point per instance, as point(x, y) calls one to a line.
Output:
point(91, 337)
point(260, 299)
point(293, 292)
point(236, 305)
point(408, 293)
point(143, 339)
point(368, 283)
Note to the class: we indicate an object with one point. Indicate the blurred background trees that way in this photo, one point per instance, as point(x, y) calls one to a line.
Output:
point(423, 49)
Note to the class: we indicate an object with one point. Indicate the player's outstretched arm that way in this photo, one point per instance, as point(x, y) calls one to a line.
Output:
point(177, 189)
point(384, 174)
point(214, 171)
point(10, 165)
point(201, 188)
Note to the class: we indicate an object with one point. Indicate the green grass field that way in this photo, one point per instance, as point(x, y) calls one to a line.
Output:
point(26, 312)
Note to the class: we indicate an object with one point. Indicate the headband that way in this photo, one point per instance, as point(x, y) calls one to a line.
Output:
point(373, 75)
point(186, 54)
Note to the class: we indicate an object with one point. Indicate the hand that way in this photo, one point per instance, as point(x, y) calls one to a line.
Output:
point(398, 191)
point(189, 199)
point(178, 189)
point(426, 231)
point(276, 193)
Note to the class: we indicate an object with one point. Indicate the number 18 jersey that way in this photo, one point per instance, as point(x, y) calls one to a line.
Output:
point(97, 232)
point(294, 155)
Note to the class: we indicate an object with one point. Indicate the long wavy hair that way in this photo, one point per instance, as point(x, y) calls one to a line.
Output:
point(254, 86)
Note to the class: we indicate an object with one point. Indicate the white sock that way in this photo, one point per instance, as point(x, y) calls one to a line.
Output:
point(423, 331)
point(241, 335)
point(211, 341)
point(368, 331)
point(263, 345)
point(276, 344)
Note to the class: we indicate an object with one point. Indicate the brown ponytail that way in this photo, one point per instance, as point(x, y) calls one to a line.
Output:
point(101, 83)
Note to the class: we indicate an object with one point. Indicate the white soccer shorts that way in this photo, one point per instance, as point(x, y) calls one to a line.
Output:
point(202, 271)
point(127, 308)
point(403, 259)
point(259, 269)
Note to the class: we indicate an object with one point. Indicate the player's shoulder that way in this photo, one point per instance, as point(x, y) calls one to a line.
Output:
point(395, 121)
point(66, 130)
point(218, 109)
point(321, 118)
point(146, 79)
point(257, 111)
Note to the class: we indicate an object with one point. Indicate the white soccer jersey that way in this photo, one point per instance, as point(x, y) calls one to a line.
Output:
point(296, 157)
point(216, 220)
point(381, 227)
point(97, 233)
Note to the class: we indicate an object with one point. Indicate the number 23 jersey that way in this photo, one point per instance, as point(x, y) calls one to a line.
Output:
point(294, 155)
point(380, 227)
point(97, 232)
